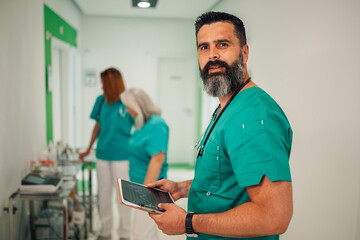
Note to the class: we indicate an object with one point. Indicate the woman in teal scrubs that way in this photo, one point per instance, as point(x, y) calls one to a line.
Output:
point(148, 148)
point(112, 129)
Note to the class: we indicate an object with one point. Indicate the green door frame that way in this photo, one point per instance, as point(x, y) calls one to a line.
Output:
point(54, 26)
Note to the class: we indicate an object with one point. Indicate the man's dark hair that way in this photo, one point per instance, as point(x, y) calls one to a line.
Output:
point(213, 17)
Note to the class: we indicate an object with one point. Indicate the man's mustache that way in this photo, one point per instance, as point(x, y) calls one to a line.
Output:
point(215, 63)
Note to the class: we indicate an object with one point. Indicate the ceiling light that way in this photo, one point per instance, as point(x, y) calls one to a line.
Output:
point(144, 4)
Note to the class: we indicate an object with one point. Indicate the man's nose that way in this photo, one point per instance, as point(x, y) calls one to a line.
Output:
point(213, 54)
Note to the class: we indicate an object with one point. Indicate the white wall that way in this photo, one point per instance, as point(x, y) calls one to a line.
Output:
point(306, 55)
point(22, 92)
point(133, 46)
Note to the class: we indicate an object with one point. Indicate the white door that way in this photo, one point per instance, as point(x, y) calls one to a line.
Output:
point(56, 94)
point(65, 93)
point(178, 99)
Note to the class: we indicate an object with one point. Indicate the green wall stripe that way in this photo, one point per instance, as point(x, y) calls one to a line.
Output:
point(54, 26)
point(182, 166)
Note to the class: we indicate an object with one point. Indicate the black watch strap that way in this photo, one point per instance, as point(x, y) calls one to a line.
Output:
point(188, 225)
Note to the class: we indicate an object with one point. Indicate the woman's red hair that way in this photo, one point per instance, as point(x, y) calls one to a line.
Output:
point(113, 84)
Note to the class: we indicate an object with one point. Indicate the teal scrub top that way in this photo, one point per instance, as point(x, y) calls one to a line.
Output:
point(143, 144)
point(115, 126)
point(251, 139)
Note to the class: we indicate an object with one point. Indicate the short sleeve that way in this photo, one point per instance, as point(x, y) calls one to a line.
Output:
point(158, 139)
point(95, 113)
point(260, 145)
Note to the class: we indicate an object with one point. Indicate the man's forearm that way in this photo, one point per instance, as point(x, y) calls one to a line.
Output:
point(244, 221)
point(268, 213)
point(184, 188)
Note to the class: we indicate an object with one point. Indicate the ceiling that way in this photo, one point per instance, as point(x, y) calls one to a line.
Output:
point(183, 9)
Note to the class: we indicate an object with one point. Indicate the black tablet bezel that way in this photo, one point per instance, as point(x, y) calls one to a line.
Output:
point(149, 208)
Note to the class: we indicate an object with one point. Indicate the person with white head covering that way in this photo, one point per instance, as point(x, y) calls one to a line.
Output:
point(148, 148)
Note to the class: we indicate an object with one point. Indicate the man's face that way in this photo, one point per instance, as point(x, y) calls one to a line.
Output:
point(220, 59)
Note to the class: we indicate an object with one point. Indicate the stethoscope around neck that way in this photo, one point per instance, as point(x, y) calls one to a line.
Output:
point(201, 148)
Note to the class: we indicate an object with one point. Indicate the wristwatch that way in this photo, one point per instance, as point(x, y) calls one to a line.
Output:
point(188, 226)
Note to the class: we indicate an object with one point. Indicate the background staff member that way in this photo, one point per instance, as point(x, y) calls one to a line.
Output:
point(148, 148)
point(242, 185)
point(112, 128)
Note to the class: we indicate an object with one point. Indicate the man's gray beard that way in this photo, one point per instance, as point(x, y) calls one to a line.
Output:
point(217, 86)
point(223, 84)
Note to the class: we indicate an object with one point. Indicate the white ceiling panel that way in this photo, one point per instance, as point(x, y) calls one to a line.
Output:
point(188, 9)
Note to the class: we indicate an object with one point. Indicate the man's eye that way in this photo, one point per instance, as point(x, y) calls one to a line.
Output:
point(223, 45)
point(202, 48)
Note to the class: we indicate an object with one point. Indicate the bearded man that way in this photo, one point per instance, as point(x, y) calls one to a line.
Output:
point(242, 186)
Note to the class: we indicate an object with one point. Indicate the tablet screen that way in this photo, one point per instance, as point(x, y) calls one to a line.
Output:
point(143, 196)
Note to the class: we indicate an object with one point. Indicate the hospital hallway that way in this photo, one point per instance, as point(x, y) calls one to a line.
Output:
point(298, 121)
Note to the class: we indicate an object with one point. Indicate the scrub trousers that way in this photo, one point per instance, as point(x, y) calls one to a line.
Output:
point(107, 173)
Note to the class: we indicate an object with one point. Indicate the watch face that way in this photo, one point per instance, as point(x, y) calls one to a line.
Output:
point(194, 235)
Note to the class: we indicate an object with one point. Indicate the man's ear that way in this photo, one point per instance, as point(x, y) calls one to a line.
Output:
point(245, 52)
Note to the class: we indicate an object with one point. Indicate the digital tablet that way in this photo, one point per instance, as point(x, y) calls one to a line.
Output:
point(141, 197)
